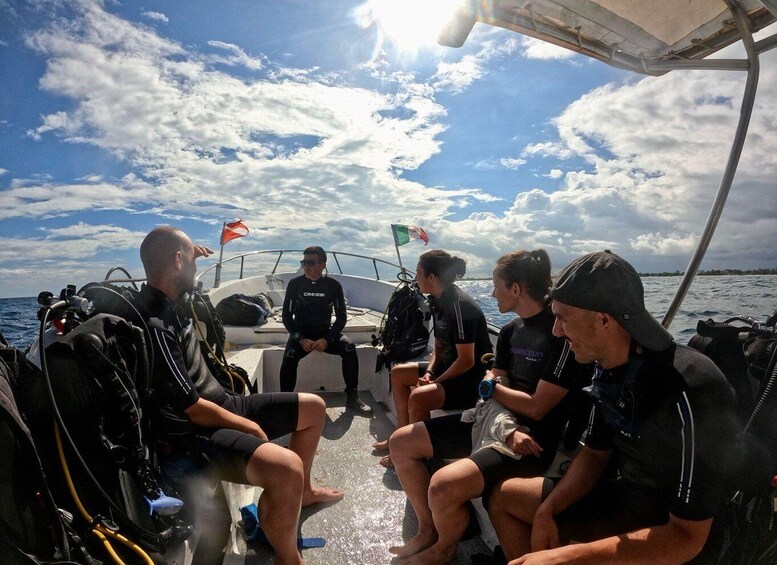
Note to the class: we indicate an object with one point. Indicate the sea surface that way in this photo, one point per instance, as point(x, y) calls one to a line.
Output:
point(717, 297)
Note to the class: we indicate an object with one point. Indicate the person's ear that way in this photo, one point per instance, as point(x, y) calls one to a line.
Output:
point(178, 260)
point(516, 289)
point(605, 320)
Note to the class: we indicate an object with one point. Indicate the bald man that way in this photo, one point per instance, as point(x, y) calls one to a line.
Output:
point(233, 430)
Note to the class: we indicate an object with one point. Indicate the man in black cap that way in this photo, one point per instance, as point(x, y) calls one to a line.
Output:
point(664, 414)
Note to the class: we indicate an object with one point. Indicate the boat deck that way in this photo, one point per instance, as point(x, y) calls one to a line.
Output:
point(374, 514)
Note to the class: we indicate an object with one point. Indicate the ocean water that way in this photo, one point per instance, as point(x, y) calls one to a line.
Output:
point(716, 297)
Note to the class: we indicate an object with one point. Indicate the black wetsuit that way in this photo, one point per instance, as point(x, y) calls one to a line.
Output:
point(181, 377)
point(307, 314)
point(676, 456)
point(459, 320)
point(528, 352)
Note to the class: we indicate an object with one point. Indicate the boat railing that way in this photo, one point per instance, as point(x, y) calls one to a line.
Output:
point(335, 255)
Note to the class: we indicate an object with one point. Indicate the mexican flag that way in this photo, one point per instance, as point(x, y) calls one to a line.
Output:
point(403, 234)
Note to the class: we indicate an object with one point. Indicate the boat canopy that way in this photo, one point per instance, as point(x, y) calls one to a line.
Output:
point(650, 37)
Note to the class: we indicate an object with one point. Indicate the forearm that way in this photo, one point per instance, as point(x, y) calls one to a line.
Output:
point(583, 474)
point(536, 405)
point(457, 368)
point(209, 415)
point(669, 544)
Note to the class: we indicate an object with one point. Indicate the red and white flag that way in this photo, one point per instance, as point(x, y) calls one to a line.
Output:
point(233, 230)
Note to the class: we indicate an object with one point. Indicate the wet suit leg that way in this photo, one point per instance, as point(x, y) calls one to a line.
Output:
point(292, 355)
point(345, 348)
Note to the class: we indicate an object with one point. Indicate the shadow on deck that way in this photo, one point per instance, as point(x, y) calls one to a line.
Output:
point(374, 514)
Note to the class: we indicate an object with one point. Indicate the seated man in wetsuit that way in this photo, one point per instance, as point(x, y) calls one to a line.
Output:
point(307, 314)
point(663, 412)
point(232, 430)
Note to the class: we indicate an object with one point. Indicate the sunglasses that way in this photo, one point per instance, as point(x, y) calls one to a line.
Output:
point(308, 263)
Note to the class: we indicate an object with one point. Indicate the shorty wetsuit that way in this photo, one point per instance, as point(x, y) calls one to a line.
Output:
point(181, 377)
point(459, 320)
point(528, 352)
point(674, 461)
point(307, 314)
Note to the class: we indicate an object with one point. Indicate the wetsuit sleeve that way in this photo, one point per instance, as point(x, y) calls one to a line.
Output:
point(707, 436)
point(289, 303)
point(341, 317)
point(599, 434)
point(172, 379)
point(502, 360)
point(562, 369)
point(466, 315)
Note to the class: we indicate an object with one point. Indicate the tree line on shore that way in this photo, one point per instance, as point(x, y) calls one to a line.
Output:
point(714, 272)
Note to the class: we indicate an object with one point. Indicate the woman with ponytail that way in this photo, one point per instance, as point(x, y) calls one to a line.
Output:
point(528, 389)
point(450, 379)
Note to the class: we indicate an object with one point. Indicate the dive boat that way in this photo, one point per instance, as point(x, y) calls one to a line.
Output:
point(649, 38)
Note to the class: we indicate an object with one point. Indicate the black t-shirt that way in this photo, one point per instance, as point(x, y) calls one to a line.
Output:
point(528, 352)
point(308, 306)
point(457, 320)
point(680, 456)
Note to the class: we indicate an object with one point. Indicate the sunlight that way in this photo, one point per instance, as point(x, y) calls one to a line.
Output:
point(410, 24)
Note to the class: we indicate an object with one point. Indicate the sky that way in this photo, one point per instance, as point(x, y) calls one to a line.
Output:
point(322, 123)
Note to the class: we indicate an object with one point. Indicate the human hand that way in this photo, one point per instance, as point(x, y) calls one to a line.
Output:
point(259, 432)
point(523, 444)
point(202, 251)
point(307, 345)
point(546, 557)
point(425, 380)
point(544, 532)
point(320, 344)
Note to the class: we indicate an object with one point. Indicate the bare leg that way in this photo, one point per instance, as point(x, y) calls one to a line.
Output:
point(511, 508)
point(280, 474)
point(450, 489)
point(410, 445)
point(304, 441)
point(403, 378)
point(423, 400)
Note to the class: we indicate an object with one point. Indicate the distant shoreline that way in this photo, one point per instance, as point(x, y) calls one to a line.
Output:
point(710, 273)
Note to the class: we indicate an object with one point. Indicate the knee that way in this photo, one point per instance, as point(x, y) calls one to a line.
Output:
point(402, 444)
point(419, 401)
point(280, 470)
point(443, 492)
point(312, 403)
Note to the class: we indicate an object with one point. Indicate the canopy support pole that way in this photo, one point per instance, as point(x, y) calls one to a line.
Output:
point(746, 110)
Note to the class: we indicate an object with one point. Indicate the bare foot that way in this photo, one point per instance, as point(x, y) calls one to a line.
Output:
point(386, 462)
point(322, 494)
point(380, 444)
point(417, 543)
point(432, 555)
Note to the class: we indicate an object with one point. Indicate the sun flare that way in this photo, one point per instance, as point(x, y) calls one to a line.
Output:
point(410, 24)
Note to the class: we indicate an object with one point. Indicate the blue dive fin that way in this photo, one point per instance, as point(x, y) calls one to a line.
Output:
point(253, 529)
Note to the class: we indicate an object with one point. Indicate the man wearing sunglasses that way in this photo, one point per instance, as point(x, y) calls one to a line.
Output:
point(307, 314)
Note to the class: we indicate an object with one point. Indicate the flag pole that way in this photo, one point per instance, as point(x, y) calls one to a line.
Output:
point(217, 280)
point(396, 246)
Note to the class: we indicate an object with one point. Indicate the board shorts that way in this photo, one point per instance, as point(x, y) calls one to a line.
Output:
point(230, 450)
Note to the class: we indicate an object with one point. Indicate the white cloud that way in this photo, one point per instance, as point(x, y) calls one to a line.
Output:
point(237, 57)
point(157, 16)
point(456, 77)
point(3, 171)
point(554, 174)
point(536, 49)
point(511, 163)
